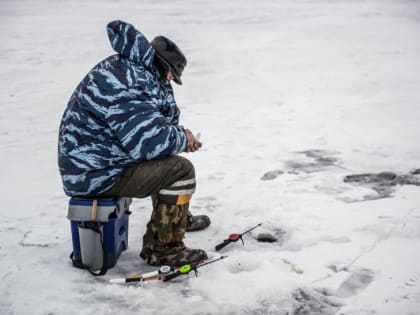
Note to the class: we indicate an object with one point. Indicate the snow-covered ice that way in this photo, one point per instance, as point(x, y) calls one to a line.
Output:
point(290, 97)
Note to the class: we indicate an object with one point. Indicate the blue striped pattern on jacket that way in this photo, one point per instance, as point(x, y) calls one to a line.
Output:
point(121, 113)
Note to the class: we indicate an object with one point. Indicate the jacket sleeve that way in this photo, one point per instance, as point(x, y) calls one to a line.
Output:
point(144, 132)
point(173, 112)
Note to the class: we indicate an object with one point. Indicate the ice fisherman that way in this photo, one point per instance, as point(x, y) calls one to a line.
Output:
point(120, 137)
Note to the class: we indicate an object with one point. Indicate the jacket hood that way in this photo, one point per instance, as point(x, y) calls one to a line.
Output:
point(130, 43)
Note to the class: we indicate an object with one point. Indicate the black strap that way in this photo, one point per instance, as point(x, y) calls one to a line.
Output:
point(94, 226)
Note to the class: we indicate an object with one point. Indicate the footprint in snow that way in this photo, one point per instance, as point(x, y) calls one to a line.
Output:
point(314, 302)
point(358, 280)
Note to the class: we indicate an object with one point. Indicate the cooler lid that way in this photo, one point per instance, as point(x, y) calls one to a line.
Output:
point(81, 209)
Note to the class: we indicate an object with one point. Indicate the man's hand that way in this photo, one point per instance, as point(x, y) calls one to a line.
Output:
point(193, 144)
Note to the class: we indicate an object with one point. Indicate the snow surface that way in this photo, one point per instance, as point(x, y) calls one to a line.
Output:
point(289, 96)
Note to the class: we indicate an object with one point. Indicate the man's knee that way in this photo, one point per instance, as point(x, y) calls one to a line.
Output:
point(180, 190)
point(182, 167)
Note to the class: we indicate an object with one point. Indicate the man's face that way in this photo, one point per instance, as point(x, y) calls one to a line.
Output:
point(169, 76)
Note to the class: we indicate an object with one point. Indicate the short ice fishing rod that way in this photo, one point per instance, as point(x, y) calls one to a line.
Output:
point(165, 273)
point(234, 238)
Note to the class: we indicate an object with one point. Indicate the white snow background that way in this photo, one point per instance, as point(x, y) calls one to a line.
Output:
point(289, 96)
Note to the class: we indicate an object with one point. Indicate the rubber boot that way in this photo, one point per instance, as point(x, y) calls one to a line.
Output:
point(162, 242)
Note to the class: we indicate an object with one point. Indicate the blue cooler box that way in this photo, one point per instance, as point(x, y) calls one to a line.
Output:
point(110, 218)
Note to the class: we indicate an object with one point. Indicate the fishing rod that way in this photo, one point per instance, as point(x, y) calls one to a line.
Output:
point(164, 273)
point(234, 238)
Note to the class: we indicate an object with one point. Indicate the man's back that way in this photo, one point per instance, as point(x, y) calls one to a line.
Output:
point(122, 112)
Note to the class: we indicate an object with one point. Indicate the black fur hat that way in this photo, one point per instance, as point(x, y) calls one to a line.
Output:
point(170, 55)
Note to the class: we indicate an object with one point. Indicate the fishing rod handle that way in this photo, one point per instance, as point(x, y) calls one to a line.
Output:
point(119, 280)
point(223, 244)
point(151, 274)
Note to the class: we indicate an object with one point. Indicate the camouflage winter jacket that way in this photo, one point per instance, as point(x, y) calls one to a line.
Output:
point(121, 113)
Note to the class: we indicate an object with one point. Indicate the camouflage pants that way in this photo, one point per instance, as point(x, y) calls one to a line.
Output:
point(170, 182)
